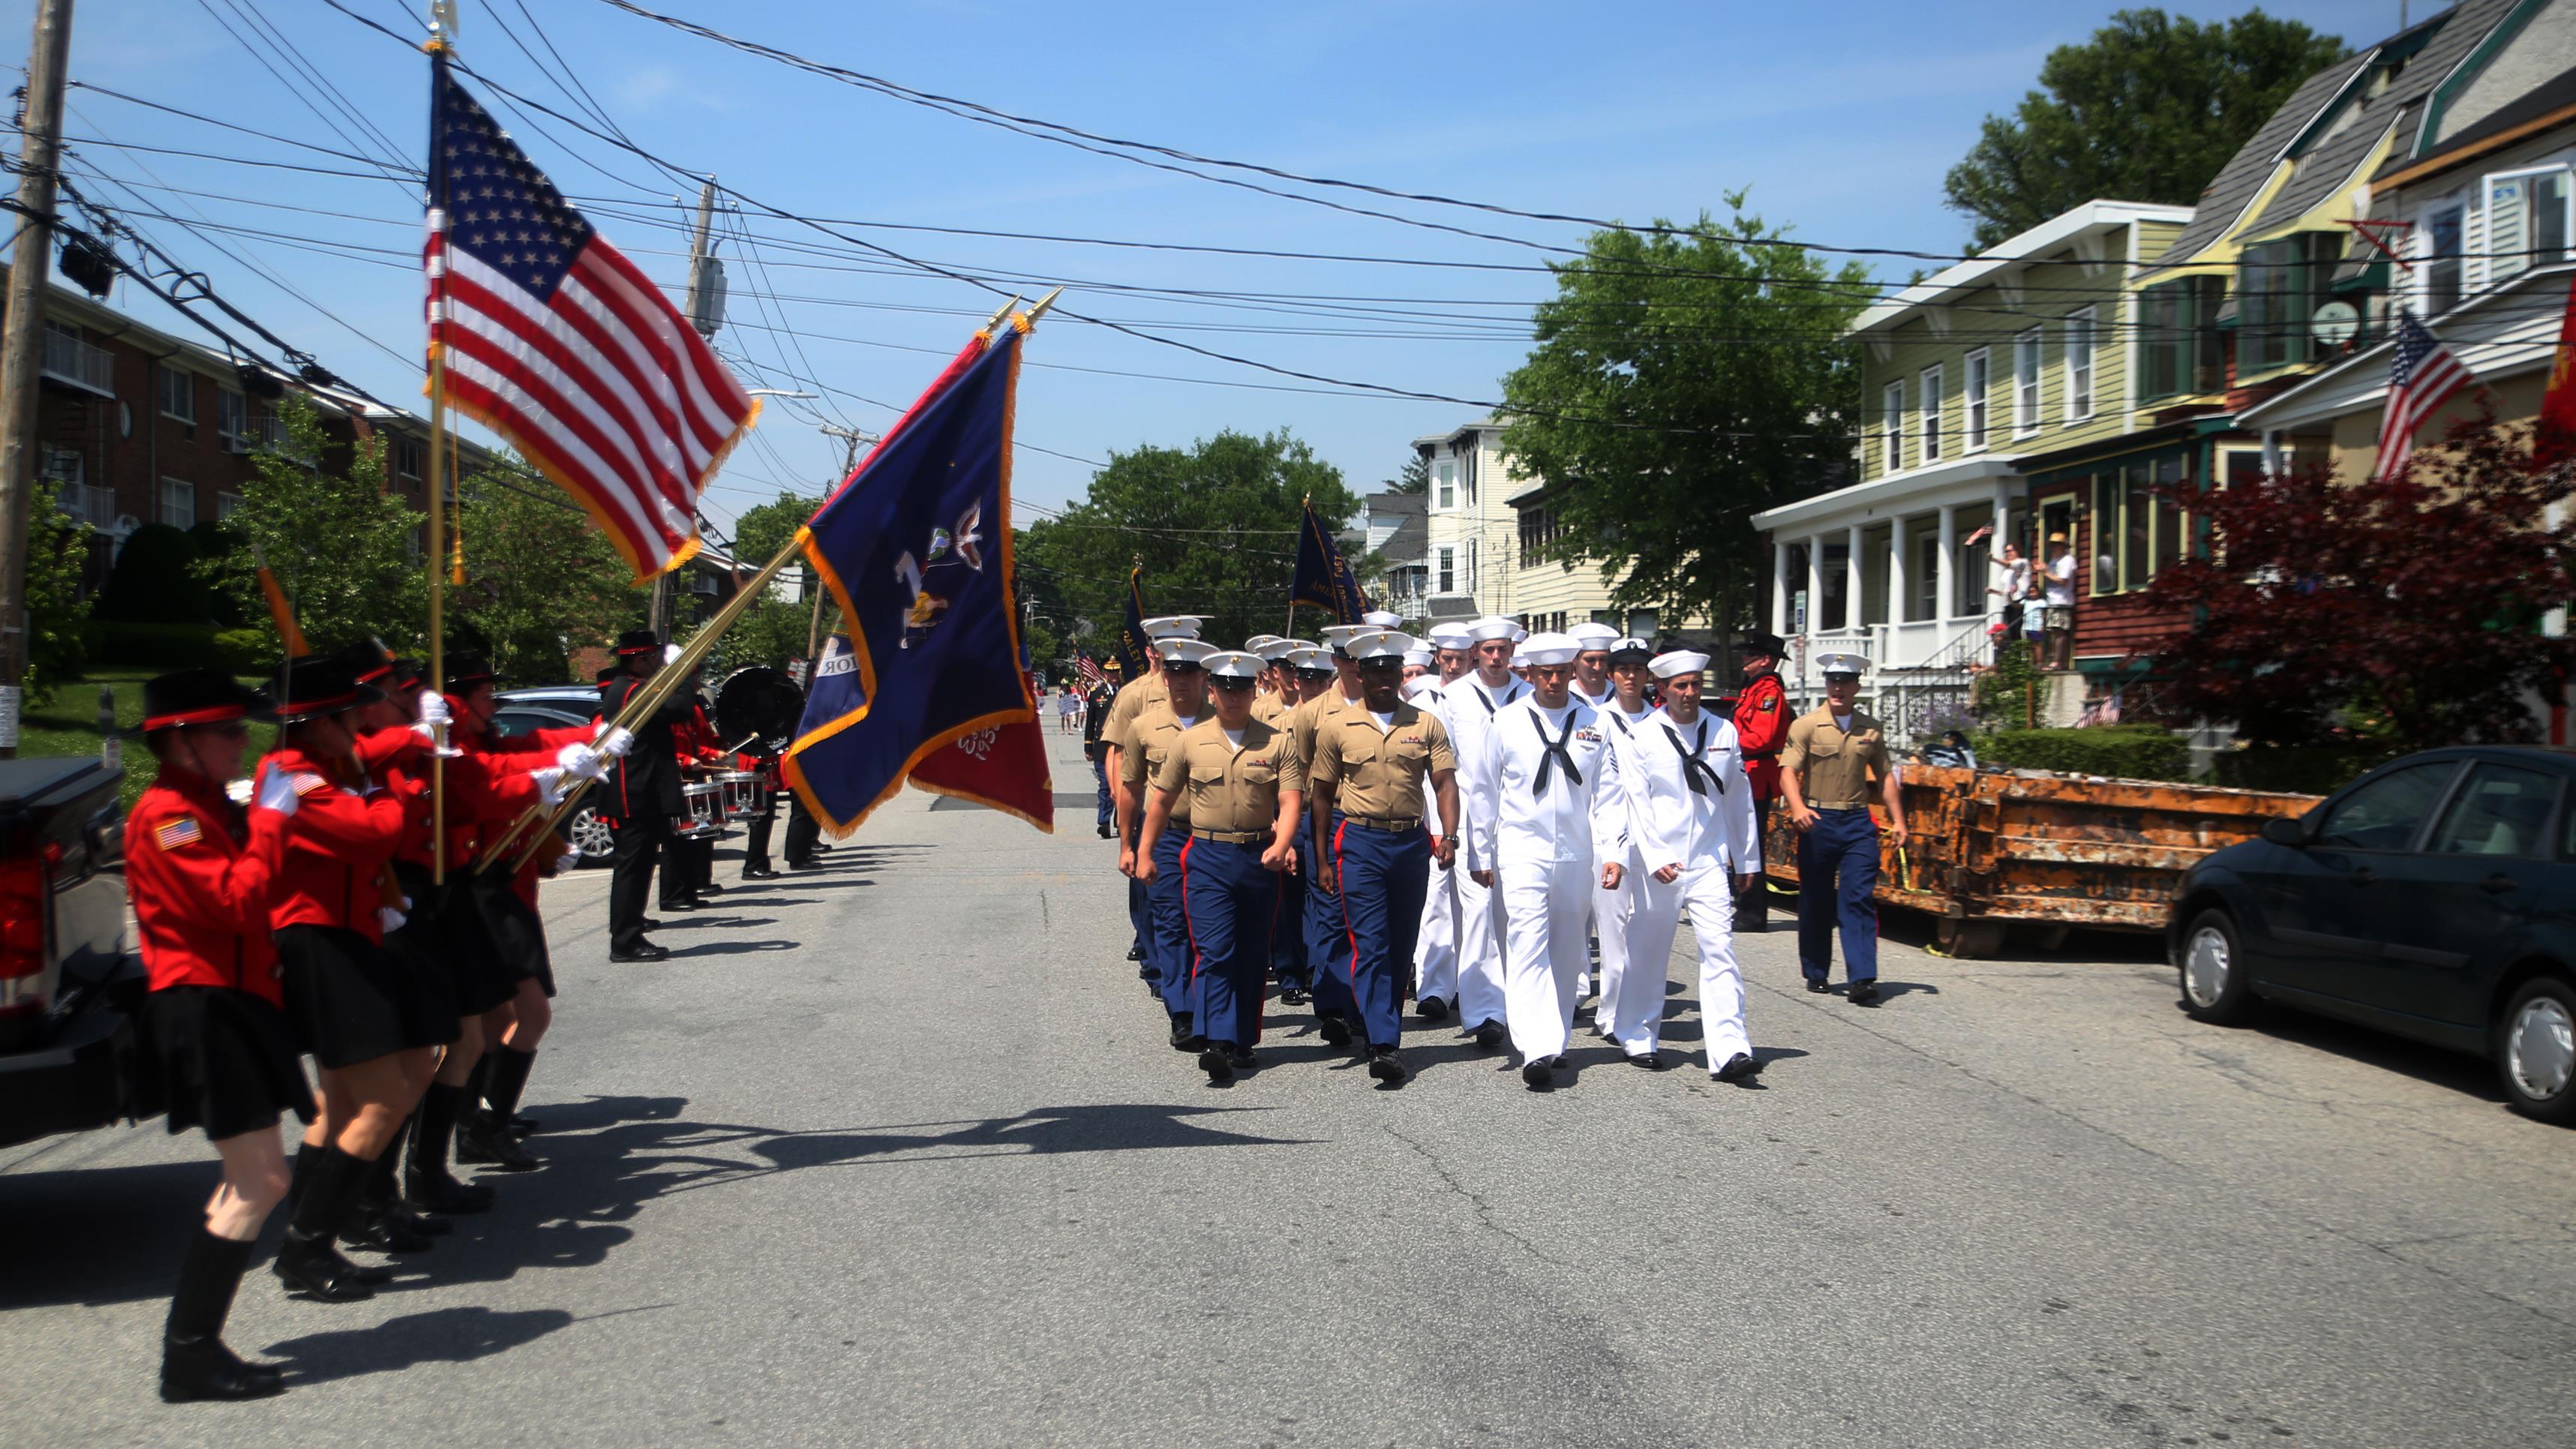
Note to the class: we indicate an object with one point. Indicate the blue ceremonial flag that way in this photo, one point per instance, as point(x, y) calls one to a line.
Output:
point(1323, 581)
point(916, 547)
point(1132, 643)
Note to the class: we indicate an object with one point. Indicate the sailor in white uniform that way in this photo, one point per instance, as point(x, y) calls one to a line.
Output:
point(1692, 821)
point(1435, 943)
point(1472, 700)
point(1592, 662)
point(1624, 711)
point(1539, 830)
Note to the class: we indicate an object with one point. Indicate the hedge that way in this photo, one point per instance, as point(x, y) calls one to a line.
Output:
point(2302, 769)
point(181, 646)
point(2125, 752)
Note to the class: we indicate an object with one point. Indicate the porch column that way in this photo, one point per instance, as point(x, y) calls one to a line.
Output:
point(1899, 590)
point(1815, 584)
point(1856, 613)
point(2003, 517)
point(1779, 586)
point(1948, 587)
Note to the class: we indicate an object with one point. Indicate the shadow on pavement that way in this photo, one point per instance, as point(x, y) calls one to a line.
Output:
point(2470, 1076)
point(441, 1335)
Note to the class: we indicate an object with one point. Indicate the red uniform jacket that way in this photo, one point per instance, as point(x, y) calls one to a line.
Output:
point(200, 876)
point(1761, 728)
point(522, 753)
point(338, 849)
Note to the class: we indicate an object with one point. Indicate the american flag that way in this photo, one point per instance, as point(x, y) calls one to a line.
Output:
point(2421, 377)
point(558, 343)
point(1088, 671)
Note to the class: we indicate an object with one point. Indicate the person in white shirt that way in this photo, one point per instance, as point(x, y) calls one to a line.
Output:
point(1435, 941)
point(1538, 830)
point(1697, 837)
point(2061, 603)
point(1625, 711)
point(1471, 702)
point(1592, 662)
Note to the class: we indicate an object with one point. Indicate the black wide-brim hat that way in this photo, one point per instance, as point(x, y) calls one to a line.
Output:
point(314, 686)
point(199, 697)
point(467, 668)
point(1756, 641)
point(369, 661)
point(637, 641)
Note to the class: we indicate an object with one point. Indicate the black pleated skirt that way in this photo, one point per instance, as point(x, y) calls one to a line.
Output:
point(353, 1001)
point(228, 1060)
point(516, 934)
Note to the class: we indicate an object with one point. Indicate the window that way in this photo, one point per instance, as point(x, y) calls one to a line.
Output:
point(1891, 421)
point(2386, 813)
point(1972, 400)
point(1448, 570)
point(1467, 477)
point(2079, 365)
point(1972, 570)
point(177, 392)
point(226, 505)
point(1931, 415)
point(409, 456)
point(232, 420)
point(178, 503)
point(2502, 810)
point(2278, 286)
point(2026, 382)
point(2439, 261)
point(1444, 484)
point(2139, 524)
point(2527, 222)
point(1642, 624)
point(1923, 580)
point(2179, 353)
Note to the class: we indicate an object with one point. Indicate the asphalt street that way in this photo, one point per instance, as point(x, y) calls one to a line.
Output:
point(894, 1152)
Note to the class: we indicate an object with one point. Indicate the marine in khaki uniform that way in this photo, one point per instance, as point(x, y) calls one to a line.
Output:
point(1144, 692)
point(1374, 771)
point(1334, 1009)
point(1828, 769)
point(1239, 785)
point(1151, 740)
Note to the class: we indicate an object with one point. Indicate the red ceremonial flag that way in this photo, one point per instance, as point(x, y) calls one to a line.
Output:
point(2554, 441)
point(557, 343)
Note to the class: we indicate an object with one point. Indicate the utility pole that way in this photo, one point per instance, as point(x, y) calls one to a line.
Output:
point(850, 440)
point(22, 342)
point(706, 314)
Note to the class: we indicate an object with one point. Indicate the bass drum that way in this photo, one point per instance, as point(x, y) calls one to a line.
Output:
point(760, 704)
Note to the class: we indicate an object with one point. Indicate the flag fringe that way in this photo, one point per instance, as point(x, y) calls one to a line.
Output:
point(839, 829)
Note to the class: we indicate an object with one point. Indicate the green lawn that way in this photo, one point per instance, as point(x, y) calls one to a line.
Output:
point(68, 724)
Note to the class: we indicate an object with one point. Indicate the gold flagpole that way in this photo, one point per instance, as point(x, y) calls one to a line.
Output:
point(436, 555)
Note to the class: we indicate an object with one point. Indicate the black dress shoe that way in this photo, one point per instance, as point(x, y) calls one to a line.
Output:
point(1863, 993)
point(1431, 1008)
point(649, 924)
point(444, 1194)
point(709, 888)
point(375, 1227)
point(1740, 1067)
point(1819, 988)
point(758, 872)
point(477, 1145)
point(794, 864)
point(1651, 1061)
point(1218, 1066)
point(1183, 1039)
point(1136, 953)
point(1385, 1065)
point(1241, 1056)
point(311, 1266)
point(1489, 1035)
point(420, 1222)
point(673, 908)
point(640, 951)
point(201, 1368)
point(1336, 1032)
point(822, 849)
point(1104, 831)
point(1292, 996)
point(1539, 1074)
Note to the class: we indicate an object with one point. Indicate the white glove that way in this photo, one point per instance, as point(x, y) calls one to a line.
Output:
point(549, 784)
point(391, 919)
point(616, 743)
point(238, 792)
point(670, 654)
point(275, 790)
point(582, 762)
point(433, 708)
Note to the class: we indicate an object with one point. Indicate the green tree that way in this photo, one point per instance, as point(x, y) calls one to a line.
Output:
point(2148, 110)
point(1414, 478)
point(1215, 526)
point(540, 578)
point(1680, 383)
point(344, 549)
point(56, 550)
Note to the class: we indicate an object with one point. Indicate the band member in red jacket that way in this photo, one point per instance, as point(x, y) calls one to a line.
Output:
point(1761, 719)
point(346, 994)
point(199, 871)
point(686, 886)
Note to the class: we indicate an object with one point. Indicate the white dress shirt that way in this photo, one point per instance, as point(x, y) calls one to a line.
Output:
point(1568, 821)
point(1670, 823)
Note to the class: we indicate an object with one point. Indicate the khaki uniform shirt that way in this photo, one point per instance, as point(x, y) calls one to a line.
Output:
point(1151, 741)
point(1362, 770)
point(1134, 698)
point(1307, 717)
point(1225, 788)
point(1271, 710)
point(1834, 768)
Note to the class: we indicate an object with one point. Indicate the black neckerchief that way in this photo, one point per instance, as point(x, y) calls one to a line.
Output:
point(1553, 754)
point(1510, 693)
point(1694, 769)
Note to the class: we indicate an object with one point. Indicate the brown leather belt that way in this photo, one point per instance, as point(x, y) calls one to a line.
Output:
point(1391, 827)
point(1232, 837)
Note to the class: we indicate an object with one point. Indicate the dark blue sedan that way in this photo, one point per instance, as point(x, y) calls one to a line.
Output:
point(2434, 897)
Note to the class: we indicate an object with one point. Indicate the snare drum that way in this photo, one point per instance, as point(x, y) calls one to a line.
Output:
point(706, 811)
point(741, 792)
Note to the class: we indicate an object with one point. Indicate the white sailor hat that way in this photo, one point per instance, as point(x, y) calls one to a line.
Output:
point(1493, 626)
point(1233, 666)
point(1188, 653)
point(1632, 650)
point(1273, 648)
point(1253, 644)
point(1311, 659)
point(1548, 649)
point(1174, 626)
point(1851, 664)
point(1338, 637)
point(1594, 637)
point(1677, 663)
point(1381, 619)
point(1451, 636)
point(1380, 645)
point(1420, 654)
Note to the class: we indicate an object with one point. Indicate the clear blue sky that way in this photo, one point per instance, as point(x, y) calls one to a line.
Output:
point(1838, 118)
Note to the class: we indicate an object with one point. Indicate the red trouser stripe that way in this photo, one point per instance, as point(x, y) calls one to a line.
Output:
point(1350, 932)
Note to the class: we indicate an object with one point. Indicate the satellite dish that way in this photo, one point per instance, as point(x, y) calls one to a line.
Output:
point(2335, 323)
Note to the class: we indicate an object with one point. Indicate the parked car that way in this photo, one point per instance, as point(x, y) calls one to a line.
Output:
point(521, 711)
point(2435, 898)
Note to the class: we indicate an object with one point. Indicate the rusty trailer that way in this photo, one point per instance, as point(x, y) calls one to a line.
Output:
point(1994, 849)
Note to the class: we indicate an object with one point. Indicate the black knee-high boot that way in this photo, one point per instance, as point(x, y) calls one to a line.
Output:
point(308, 1261)
point(376, 1220)
point(510, 1068)
point(426, 1180)
point(481, 1137)
point(194, 1362)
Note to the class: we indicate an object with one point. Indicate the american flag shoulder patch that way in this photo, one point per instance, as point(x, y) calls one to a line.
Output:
point(306, 784)
point(176, 833)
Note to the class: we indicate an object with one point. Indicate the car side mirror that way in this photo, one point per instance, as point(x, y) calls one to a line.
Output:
point(2286, 830)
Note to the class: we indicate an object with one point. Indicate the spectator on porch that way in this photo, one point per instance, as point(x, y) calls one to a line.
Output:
point(2015, 589)
point(2061, 603)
